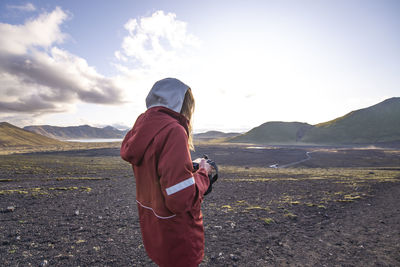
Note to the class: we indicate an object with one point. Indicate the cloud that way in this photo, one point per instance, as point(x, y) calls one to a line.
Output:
point(38, 77)
point(154, 47)
point(28, 7)
point(41, 32)
point(160, 38)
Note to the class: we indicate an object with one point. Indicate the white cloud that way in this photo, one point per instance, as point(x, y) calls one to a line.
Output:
point(28, 7)
point(155, 47)
point(160, 38)
point(36, 77)
point(39, 32)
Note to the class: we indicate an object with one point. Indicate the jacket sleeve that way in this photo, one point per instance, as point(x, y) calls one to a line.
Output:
point(183, 190)
point(126, 147)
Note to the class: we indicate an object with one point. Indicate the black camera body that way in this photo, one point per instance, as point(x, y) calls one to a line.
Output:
point(213, 177)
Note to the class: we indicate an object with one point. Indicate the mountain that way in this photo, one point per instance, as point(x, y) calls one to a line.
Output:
point(376, 124)
point(12, 136)
point(76, 132)
point(214, 135)
point(276, 132)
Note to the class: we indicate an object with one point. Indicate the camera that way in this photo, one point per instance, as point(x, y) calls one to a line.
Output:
point(212, 176)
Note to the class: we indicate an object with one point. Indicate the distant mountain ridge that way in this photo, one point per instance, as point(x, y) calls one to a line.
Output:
point(379, 123)
point(76, 132)
point(12, 136)
point(214, 135)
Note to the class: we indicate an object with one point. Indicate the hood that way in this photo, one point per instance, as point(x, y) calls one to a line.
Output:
point(168, 93)
point(146, 127)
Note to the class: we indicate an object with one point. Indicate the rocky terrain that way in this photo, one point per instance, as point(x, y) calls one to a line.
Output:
point(77, 208)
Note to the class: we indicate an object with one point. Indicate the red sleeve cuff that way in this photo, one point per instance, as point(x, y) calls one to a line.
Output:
point(202, 180)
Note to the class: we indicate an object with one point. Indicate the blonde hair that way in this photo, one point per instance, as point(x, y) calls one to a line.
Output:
point(187, 111)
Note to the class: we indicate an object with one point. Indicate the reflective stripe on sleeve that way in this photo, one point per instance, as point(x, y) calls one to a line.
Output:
point(180, 186)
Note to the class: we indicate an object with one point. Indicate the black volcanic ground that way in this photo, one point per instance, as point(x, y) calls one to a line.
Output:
point(78, 208)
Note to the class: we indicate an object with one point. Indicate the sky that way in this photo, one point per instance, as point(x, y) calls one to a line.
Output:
point(93, 62)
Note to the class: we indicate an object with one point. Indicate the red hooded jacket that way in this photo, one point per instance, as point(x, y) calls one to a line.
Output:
point(168, 193)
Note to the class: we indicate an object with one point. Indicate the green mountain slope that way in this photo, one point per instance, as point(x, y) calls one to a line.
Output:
point(378, 123)
point(276, 132)
point(214, 135)
point(12, 136)
point(375, 124)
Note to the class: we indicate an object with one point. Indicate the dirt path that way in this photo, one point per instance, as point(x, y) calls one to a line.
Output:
point(308, 157)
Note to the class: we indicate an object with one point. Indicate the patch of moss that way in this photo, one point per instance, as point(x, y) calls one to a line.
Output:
point(12, 191)
point(86, 188)
point(267, 220)
point(80, 178)
point(254, 208)
point(352, 197)
point(291, 216)
point(64, 188)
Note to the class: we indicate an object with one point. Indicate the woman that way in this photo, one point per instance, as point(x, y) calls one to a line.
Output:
point(168, 193)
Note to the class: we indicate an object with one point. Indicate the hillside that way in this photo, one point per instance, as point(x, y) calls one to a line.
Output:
point(214, 135)
point(12, 136)
point(76, 132)
point(275, 132)
point(376, 124)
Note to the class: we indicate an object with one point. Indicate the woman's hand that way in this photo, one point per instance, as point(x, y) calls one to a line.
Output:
point(203, 164)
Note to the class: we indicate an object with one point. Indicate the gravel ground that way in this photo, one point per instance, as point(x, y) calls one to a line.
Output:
point(78, 208)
